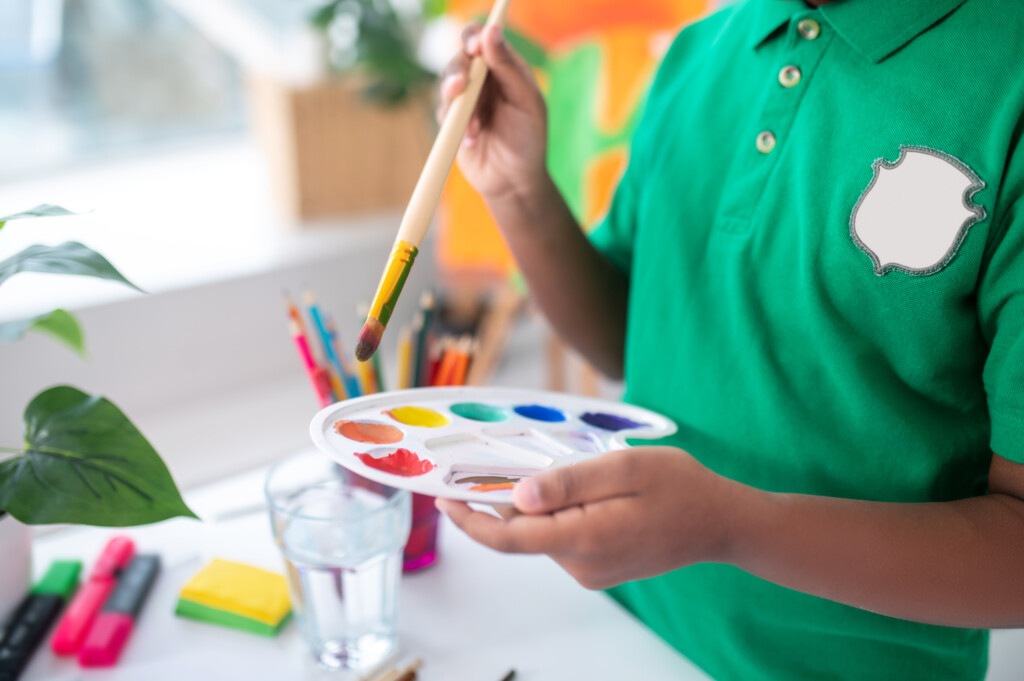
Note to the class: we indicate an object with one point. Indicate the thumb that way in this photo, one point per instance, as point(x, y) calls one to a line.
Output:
point(507, 67)
point(612, 475)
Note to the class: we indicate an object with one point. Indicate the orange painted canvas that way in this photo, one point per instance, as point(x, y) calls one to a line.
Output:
point(594, 60)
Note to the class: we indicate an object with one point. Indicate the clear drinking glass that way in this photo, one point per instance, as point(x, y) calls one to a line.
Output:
point(341, 536)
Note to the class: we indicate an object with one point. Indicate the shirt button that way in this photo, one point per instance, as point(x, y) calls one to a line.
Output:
point(790, 76)
point(766, 142)
point(809, 29)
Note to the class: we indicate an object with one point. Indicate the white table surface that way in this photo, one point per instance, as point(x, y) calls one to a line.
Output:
point(472, 616)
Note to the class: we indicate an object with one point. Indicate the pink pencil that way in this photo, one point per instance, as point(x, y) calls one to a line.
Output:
point(318, 376)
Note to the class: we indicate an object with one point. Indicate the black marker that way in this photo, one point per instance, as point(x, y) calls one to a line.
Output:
point(34, 617)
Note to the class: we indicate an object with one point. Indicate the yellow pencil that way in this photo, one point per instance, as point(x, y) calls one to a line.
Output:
point(405, 359)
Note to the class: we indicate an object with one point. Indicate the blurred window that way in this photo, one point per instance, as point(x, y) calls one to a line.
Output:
point(87, 79)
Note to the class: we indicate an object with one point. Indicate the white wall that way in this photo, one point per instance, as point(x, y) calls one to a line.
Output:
point(208, 372)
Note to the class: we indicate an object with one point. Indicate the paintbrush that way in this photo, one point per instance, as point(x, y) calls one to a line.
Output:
point(409, 673)
point(424, 200)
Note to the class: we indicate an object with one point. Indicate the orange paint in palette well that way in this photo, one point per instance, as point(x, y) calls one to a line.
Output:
point(489, 483)
point(492, 487)
point(369, 432)
point(399, 462)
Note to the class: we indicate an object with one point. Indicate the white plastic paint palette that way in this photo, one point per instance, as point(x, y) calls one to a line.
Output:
point(475, 444)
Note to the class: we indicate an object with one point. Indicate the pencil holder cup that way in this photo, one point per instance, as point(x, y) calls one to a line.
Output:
point(342, 537)
point(421, 549)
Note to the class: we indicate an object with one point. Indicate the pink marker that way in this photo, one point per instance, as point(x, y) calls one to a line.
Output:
point(110, 632)
point(78, 618)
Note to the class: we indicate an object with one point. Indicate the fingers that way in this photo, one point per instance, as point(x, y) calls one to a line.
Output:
point(506, 512)
point(518, 534)
point(453, 82)
point(508, 68)
point(510, 77)
point(471, 37)
point(612, 475)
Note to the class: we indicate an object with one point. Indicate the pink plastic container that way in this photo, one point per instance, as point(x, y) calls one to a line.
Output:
point(421, 549)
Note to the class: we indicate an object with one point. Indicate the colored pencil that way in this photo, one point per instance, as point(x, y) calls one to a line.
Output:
point(425, 195)
point(404, 376)
point(347, 372)
point(434, 351)
point(423, 322)
point(363, 373)
point(376, 375)
point(446, 363)
point(317, 375)
point(462, 359)
point(511, 675)
point(335, 371)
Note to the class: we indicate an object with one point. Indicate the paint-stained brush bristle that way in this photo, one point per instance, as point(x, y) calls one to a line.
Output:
point(369, 339)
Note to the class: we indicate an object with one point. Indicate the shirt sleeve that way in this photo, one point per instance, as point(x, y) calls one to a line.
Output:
point(1001, 313)
point(613, 237)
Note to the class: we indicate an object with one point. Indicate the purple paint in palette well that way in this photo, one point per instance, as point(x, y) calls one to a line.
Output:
point(610, 422)
point(538, 412)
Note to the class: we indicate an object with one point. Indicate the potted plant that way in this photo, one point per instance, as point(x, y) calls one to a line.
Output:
point(82, 461)
point(356, 140)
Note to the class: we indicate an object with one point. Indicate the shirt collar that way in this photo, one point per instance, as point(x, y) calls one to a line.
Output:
point(875, 28)
point(766, 16)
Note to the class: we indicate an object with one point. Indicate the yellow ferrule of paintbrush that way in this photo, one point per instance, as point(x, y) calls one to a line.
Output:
point(396, 272)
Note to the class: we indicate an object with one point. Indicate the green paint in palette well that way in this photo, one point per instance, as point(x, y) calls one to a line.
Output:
point(475, 411)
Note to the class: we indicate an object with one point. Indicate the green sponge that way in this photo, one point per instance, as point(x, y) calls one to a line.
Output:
point(202, 613)
point(236, 595)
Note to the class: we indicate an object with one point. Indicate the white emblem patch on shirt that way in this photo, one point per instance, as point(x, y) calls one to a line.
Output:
point(916, 212)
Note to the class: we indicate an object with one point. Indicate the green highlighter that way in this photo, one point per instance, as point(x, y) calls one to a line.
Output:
point(60, 580)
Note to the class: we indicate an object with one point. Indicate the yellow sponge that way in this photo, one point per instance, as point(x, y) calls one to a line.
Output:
point(240, 589)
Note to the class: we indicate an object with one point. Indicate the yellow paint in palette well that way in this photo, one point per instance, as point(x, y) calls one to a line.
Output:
point(418, 416)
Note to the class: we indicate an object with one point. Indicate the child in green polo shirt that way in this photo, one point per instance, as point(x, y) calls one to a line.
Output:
point(814, 264)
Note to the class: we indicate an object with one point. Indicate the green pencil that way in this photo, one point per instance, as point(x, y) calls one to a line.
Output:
point(421, 327)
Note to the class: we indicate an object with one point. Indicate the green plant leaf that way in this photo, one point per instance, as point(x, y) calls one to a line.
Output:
point(44, 210)
point(323, 16)
point(432, 9)
point(60, 324)
point(70, 257)
point(84, 462)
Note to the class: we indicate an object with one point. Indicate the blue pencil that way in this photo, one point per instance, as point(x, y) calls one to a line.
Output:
point(326, 338)
point(347, 374)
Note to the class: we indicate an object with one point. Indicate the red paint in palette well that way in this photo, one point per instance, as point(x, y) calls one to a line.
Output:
point(399, 462)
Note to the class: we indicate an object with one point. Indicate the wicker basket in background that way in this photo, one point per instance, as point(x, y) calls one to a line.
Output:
point(332, 153)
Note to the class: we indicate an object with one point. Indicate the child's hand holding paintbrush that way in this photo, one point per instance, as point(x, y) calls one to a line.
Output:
point(504, 157)
point(503, 154)
point(426, 194)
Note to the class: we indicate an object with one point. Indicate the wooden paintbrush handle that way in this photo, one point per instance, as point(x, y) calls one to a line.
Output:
point(427, 193)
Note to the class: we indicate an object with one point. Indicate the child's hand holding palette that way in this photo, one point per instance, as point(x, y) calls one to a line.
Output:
point(475, 444)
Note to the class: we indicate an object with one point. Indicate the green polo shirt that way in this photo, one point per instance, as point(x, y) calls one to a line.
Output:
point(823, 227)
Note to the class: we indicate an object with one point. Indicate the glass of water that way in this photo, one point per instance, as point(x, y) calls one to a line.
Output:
point(341, 536)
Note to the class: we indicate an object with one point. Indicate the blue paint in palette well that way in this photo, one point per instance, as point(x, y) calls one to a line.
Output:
point(538, 412)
